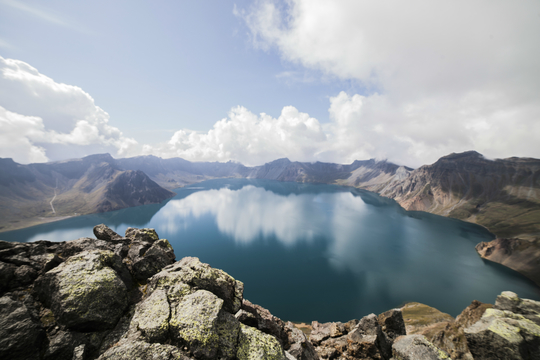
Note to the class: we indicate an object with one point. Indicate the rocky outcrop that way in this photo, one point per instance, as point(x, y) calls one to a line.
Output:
point(125, 297)
point(60, 299)
point(518, 254)
point(441, 329)
point(370, 338)
point(510, 330)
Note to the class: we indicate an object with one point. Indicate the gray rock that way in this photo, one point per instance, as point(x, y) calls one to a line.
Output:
point(319, 332)
point(7, 274)
point(103, 232)
point(298, 344)
point(197, 323)
point(199, 276)
point(61, 346)
point(152, 317)
point(511, 302)
point(21, 335)
point(129, 350)
point(392, 323)
point(364, 346)
point(502, 334)
point(146, 234)
point(253, 344)
point(416, 347)
point(25, 275)
point(146, 261)
point(367, 340)
point(261, 319)
point(85, 292)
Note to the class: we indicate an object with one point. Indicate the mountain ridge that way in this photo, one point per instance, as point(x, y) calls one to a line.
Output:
point(503, 195)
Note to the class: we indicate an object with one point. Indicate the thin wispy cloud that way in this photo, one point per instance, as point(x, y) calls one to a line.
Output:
point(42, 14)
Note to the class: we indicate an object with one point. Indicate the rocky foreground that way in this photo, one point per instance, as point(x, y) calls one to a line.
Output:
point(126, 297)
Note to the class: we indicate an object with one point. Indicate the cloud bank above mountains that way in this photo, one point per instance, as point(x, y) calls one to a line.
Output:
point(42, 119)
point(439, 77)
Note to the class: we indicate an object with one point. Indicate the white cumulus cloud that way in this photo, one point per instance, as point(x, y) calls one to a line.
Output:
point(249, 138)
point(39, 116)
point(440, 76)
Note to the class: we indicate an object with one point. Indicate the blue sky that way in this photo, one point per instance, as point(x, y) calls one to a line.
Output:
point(336, 81)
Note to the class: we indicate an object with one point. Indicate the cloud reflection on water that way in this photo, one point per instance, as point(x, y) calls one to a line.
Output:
point(251, 212)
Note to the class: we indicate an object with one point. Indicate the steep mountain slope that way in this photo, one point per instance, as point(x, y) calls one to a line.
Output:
point(172, 173)
point(502, 195)
point(37, 193)
point(176, 172)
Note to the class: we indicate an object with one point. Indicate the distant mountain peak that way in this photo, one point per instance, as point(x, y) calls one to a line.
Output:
point(463, 155)
point(280, 161)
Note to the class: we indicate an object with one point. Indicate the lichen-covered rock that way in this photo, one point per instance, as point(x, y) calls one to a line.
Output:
point(502, 334)
point(510, 301)
point(103, 232)
point(85, 292)
point(256, 345)
point(146, 234)
point(199, 276)
point(152, 317)
point(416, 347)
point(146, 261)
point(21, 335)
point(129, 350)
point(198, 323)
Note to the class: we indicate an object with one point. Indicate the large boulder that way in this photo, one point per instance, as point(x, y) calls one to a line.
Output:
point(502, 334)
point(189, 275)
point(199, 323)
point(256, 345)
point(152, 317)
point(103, 232)
point(147, 259)
point(392, 323)
point(416, 347)
point(86, 291)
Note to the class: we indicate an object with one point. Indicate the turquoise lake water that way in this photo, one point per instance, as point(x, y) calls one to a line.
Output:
point(315, 252)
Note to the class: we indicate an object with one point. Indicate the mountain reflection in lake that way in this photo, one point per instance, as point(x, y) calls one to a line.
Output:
point(316, 252)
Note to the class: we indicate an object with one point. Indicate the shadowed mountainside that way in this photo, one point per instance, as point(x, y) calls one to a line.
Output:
point(37, 193)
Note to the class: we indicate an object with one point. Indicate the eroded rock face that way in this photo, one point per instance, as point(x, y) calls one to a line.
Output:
point(510, 330)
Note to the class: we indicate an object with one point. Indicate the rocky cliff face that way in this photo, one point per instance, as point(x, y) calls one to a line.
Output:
point(503, 195)
point(118, 297)
point(37, 193)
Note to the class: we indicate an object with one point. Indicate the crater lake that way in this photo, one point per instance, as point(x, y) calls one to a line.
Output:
point(315, 252)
